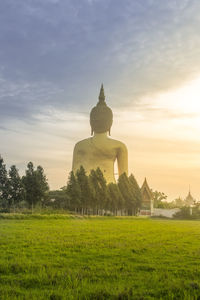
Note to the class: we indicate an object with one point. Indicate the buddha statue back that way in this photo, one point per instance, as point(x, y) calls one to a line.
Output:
point(100, 150)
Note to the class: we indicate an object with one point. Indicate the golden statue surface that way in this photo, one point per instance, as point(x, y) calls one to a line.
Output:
point(100, 150)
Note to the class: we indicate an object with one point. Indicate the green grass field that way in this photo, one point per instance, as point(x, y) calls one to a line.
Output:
point(99, 258)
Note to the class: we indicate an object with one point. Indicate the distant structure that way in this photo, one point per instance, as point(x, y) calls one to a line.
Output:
point(189, 200)
point(147, 200)
point(100, 150)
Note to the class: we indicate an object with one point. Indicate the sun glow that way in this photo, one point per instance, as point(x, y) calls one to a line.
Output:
point(185, 99)
point(178, 111)
point(162, 135)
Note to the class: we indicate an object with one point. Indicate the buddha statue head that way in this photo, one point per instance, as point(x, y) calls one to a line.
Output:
point(101, 116)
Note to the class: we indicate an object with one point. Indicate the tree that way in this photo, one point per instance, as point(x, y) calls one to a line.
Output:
point(136, 193)
point(58, 199)
point(98, 189)
point(184, 213)
point(4, 184)
point(158, 198)
point(94, 203)
point(131, 193)
point(30, 184)
point(73, 192)
point(42, 184)
point(35, 184)
point(85, 189)
point(16, 188)
point(178, 202)
point(125, 189)
point(115, 198)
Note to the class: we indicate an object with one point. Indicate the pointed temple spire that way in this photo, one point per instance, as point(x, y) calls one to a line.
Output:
point(101, 95)
point(189, 199)
point(189, 193)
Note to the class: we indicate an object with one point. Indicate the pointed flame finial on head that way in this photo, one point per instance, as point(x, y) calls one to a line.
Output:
point(101, 95)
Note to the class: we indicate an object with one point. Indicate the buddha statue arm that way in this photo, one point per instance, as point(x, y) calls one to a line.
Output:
point(75, 163)
point(122, 160)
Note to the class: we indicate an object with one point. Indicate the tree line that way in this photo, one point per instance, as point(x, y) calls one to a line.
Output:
point(16, 191)
point(90, 194)
point(85, 194)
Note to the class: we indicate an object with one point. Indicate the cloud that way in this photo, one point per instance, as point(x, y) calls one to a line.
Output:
point(137, 48)
point(20, 99)
point(159, 53)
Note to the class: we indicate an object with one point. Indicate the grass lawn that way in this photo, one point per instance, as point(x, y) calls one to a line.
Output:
point(99, 258)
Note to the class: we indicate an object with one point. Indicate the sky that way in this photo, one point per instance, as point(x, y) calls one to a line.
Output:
point(54, 55)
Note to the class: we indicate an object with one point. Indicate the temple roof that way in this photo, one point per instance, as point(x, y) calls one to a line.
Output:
point(189, 196)
point(145, 187)
point(189, 199)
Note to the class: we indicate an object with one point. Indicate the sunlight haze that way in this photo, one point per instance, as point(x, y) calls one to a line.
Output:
point(54, 57)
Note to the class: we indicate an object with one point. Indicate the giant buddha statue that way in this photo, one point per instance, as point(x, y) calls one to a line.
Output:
point(100, 150)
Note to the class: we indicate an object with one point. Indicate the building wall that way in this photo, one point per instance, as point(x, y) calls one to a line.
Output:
point(165, 212)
